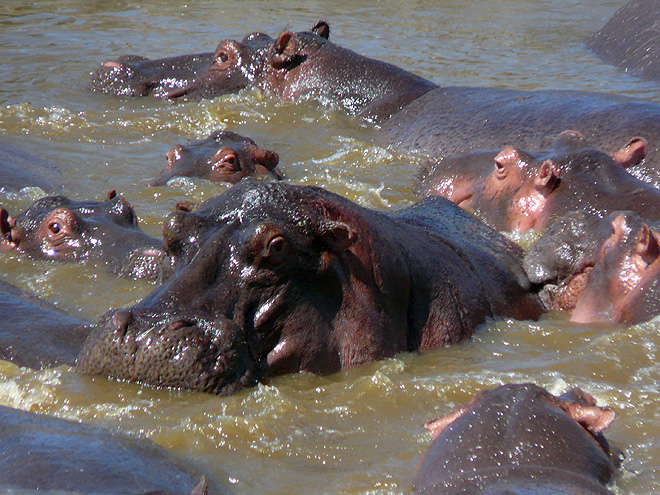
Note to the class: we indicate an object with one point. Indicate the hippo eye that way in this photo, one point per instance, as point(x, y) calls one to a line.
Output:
point(54, 227)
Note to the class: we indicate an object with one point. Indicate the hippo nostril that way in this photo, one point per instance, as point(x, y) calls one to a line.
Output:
point(122, 319)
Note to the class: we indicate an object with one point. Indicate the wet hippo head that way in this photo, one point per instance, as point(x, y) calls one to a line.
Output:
point(222, 157)
point(519, 439)
point(600, 269)
point(524, 190)
point(99, 233)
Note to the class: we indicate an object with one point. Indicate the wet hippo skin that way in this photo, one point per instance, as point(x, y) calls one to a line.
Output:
point(272, 278)
point(52, 455)
point(520, 440)
point(19, 169)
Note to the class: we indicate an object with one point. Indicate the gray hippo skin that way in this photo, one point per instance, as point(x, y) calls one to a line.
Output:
point(224, 156)
point(272, 278)
point(417, 115)
point(526, 190)
point(599, 269)
point(629, 40)
point(51, 455)
point(36, 334)
point(99, 233)
point(19, 169)
point(520, 440)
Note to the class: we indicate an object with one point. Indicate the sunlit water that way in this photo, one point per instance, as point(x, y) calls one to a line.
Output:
point(354, 432)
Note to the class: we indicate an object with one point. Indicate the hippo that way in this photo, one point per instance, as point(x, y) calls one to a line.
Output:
point(520, 439)
point(272, 278)
point(35, 333)
point(599, 269)
point(415, 114)
point(529, 190)
point(39, 453)
point(20, 169)
point(104, 233)
point(224, 156)
point(134, 75)
point(629, 40)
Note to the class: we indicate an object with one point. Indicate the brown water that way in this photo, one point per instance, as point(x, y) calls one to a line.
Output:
point(355, 432)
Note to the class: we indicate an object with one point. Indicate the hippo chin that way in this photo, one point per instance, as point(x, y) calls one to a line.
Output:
point(222, 157)
point(520, 440)
point(98, 233)
point(272, 278)
point(522, 190)
point(599, 269)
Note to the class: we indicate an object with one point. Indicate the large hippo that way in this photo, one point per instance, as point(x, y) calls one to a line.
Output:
point(273, 278)
point(99, 233)
point(520, 440)
point(599, 269)
point(42, 454)
point(224, 156)
point(526, 190)
point(36, 334)
point(19, 169)
point(414, 113)
point(629, 40)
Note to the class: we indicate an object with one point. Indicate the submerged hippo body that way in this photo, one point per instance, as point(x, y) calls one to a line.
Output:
point(525, 190)
point(414, 113)
point(19, 169)
point(272, 278)
point(99, 233)
point(42, 454)
point(36, 334)
point(222, 157)
point(599, 269)
point(519, 440)
point(629, 40)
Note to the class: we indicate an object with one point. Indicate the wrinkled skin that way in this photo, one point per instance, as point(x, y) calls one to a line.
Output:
point(529, 190)
point(272, 278)
point(222, 157)
point(52, 455)
point(36, 334)
point(599, 269)
point(99, 233)
point(19, 169)
point(629, 40)
point(520, 440)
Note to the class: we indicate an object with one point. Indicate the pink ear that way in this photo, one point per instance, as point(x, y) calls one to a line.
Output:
point(593, 418)
point(285, 48)
point(322, 29)
point(437, 426)
point(337, 236)
point(547, 177)
point(647, 245)
point(633, 153)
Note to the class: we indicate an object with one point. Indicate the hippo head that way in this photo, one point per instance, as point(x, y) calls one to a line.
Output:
point(252, 62)
point(257, 291)
point(99, 233)
point(601, 269)
point(222, 157)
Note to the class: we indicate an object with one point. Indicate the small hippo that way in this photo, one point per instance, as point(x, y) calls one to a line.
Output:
point(222, 157)
point(43, 454)
point(102, 233)
point(415, 114)
point(528, 190)
point(599, 269)
point(519, 439)
point(34, 333)
point(19, 169)
point(273, 278)
point(629, 40)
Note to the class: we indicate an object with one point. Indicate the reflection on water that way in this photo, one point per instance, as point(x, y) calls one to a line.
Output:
point(360, 430)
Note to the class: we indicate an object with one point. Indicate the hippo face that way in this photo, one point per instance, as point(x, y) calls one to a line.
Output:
point(255, 271)
point(601, 269)
point(222, 157)
point(99, 233)
point(519, 438)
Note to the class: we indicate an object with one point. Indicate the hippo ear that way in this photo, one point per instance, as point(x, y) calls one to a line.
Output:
point(7, 223)
point(547, 177)
point(322, 29)
point(437, 426)
point(593, 418)
point(285, 51)
point(505, 160)
point(647, 246)
point(337, 236)
point(267, 158)
point(633, 153)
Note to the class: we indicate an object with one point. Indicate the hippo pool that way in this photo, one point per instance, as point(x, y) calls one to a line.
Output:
point(354, 432)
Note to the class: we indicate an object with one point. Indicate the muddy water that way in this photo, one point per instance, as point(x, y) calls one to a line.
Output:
point(355, 432)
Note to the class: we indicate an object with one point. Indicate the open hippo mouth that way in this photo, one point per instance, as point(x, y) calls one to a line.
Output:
point(211, 357)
